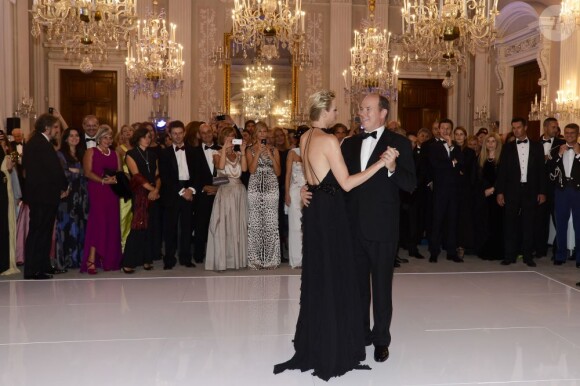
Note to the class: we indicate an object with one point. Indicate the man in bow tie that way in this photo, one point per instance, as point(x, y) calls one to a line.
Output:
point(549, 141)
point(176, 167)
point(564, 165)
point(521, 188)
point(373, 210)
point(90, 128)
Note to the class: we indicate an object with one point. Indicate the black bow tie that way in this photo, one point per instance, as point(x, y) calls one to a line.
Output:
point(177, 148)
point(522, 141)
point(371, 134)
point(205, 147)
point(546, 141)
point(88, 139)
point(570, 147)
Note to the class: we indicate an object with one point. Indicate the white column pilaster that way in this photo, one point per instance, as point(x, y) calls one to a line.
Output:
point(180, 13)
point(340, 43)
point(569, 59)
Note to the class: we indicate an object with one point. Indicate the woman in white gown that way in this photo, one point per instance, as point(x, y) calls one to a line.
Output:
point(227, 243)
point(294, 182)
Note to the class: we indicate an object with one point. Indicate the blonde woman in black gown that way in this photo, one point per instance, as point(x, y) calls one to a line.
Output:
point(329, 335)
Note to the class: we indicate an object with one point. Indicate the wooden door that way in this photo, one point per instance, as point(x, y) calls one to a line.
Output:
point(526, 87)
point(421, 102)
point(84, 94)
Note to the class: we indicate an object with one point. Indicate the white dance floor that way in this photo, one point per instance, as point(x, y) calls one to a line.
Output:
point(503, 328)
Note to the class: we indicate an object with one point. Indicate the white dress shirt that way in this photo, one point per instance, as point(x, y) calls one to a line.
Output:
point(368, 145)
point(547, 145)
point(568, 161)
point(182, 168)
point(524, 155)
point(90, 144)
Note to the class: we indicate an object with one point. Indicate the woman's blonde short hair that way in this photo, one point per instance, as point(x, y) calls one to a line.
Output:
point(103, 130)
point(318, 102)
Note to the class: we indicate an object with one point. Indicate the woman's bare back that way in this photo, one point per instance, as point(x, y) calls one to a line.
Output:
point(313, 147)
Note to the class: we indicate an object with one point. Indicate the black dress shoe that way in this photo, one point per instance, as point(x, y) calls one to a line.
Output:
point(577, 265)
point(530, 263)
point(457, 259)
point(189, 264)
point(56, 271)
point(38, 276)
point(381, 353)
point(417, 255)
point(578, 284)
point(433, 259)
point(558, 262)
point(506, 262)
point(167, 267)
point(402, 259)
point(397, 264)
point(128, 271)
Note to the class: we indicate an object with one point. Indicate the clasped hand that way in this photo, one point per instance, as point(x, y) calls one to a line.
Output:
point(109, 180)
point(389, 157)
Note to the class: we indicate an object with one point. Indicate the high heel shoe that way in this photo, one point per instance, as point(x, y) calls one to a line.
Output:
point(128, 271)
point(91, 268)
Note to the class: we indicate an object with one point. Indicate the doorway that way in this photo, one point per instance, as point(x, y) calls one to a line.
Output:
point(421, 102)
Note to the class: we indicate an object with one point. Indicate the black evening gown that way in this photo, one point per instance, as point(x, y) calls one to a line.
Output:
point(490, 215)
point(329, 335)
point(4, 229)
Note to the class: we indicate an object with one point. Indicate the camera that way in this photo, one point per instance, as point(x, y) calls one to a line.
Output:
point(264, 141)
point(220, 117)
point(236, 141)
point(51, 110)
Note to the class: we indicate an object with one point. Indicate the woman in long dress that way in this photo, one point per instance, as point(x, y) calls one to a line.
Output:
point(123, 147)
point(103, 237)
point(329, 335)
point(71, 218)
point(263, 236)
point(294, 182)
point(7, 210)
point(227, 243)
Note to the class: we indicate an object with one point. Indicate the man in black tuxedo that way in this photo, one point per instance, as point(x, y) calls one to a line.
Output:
point(520, 187)
point(549, 141)
point(90, 128)
point(203, 174)
point(564, 164)
point(46, 184)
point(446, 161)
point(373, 210)
point(176, 167)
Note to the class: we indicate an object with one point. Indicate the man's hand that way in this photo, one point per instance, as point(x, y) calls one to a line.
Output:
point(563, 149)
point(390, 158)
point(577, 148)
point(210, 190)
point(187, 195)
point(541, 199)
point(64, 193)
point(500, 199)
point(489, 191)
point(305, 195)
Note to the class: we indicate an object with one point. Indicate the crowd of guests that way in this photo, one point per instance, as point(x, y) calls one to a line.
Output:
point(93, 199)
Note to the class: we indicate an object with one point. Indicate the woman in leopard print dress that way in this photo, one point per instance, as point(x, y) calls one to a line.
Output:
point(263, 236)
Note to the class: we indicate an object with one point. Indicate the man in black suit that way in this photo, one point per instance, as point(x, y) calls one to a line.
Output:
point(203, 174)
point(46, 184)
point(176, 167)
point(373, 210)
point(446, 162)
point(549, 141)
point(520, 188)
point(564, 164)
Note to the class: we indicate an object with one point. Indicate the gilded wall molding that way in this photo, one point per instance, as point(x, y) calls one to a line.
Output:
point(531, 43)
point(206, 89)
point(313, 75)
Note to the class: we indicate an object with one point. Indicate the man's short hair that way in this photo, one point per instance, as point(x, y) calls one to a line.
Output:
point(446, 120)
point(548, 120)
point(384, 103)
point(174, 124)
point(519, 119)
point(572, 126)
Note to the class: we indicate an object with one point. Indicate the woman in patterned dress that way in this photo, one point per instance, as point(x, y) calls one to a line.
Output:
point(263, 193)
point(123, 139)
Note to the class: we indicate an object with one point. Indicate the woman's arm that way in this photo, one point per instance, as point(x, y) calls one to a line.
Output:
point(339, 169)
point(134, 169)
point(253, 160)
point(276, 159)
point(289, 161)
point(88, 169)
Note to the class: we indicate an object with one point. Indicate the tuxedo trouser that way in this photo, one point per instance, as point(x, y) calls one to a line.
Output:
point(375, 265)
point(542, 227)
point(520, 214)
point(445, 207)
point(567, 201)
point(178, 221)
point(39, 239)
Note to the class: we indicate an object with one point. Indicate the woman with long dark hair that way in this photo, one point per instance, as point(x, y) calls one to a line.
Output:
point(71, 218)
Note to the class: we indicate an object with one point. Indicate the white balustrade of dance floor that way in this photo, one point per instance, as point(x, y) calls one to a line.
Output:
point(448, 329)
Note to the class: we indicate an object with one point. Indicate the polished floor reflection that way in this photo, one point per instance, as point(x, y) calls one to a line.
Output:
point(448, 329)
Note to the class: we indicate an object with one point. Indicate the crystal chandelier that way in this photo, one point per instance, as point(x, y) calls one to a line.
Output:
point(283, 113)
point(155, 60)
point(563, 107)
point(445, 32)
point(265, 24)
point(369, 61)
point(25, 108)
point(258, 92)
point(481, 117)
point(86, 29)
point(219, 57)
point(570, 13)
point(540, 110)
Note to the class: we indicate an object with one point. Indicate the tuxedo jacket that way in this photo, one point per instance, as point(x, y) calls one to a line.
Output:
point(373, 207)
point(446, 176)
point(558, 173)
point(202, 174)
point(169, 173)
point(509, 173)
point(45, 178)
